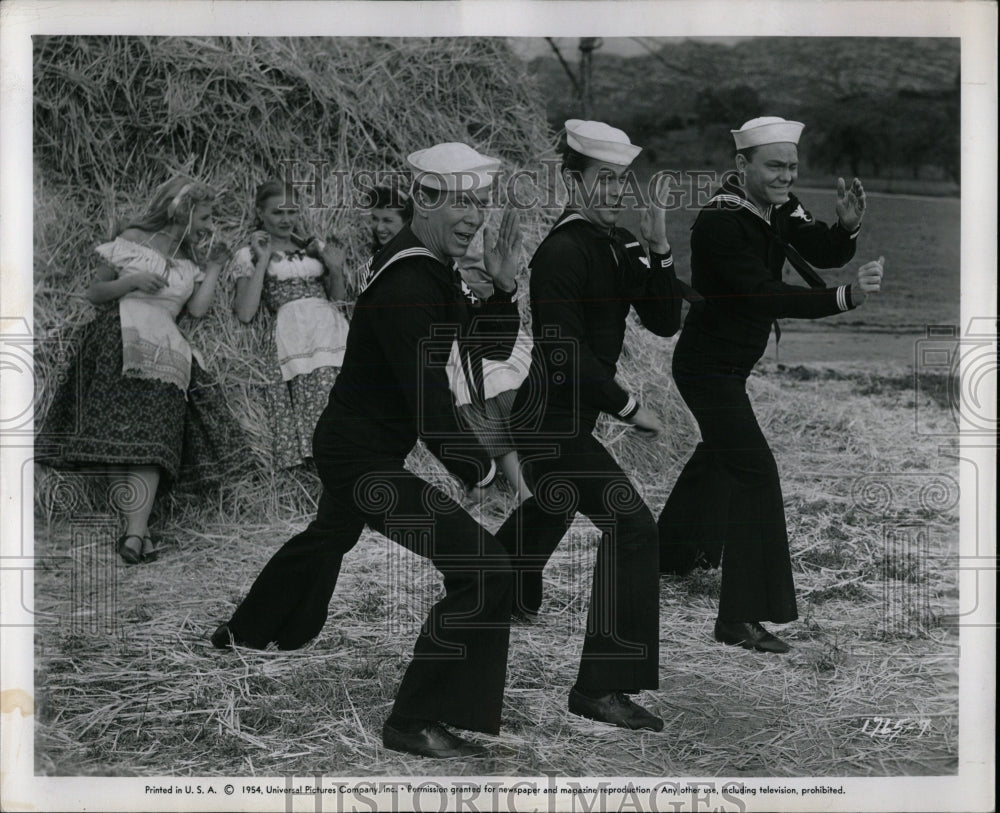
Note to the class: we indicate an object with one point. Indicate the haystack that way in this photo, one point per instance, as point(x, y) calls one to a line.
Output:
point(115, 116)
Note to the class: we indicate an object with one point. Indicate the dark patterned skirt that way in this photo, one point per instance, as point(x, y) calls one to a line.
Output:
point(294, 408)
point(99, 416)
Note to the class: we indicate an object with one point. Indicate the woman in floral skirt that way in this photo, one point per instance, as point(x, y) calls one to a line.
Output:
point(295, 278)
point(134, 400)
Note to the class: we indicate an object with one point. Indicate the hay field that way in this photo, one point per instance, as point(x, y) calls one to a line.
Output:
point(135, 687)
point(126, 680)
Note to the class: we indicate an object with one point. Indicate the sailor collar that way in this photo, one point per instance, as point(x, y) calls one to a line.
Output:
point(611, 234)
point(731, 196)
point(633, 248)
point(571, 216)
point(402, 247)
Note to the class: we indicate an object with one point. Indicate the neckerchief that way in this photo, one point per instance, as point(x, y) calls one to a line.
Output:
point(731, 195)
point(404, 246)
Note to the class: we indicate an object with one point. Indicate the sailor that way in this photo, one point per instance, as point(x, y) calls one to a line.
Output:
point(728, 495)
point(390, 391)
point(585, 277)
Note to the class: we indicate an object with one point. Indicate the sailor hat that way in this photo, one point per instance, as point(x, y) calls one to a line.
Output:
point(452, 167)
point(595, 139)
point(767, 130)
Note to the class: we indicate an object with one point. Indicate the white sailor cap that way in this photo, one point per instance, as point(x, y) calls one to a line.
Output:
point(452, 166)
point(767, 130)
point(598, 140)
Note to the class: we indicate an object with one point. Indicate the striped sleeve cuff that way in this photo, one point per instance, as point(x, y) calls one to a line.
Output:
point(490, 476)
point(661, 260)
point(630, 408)
point(844, 298)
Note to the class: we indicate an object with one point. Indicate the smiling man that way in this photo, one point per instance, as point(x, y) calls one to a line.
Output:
point(385, 397)
point(727, 501)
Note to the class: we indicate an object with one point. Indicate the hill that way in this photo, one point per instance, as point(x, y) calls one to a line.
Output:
point(888, 106)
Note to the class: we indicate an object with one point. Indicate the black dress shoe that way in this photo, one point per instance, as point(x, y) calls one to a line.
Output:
point(223, 638)
point(749, 635)
point(432, 740)
point(614, 708)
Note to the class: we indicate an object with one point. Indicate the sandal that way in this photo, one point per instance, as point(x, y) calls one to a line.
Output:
point(131, 556)
point(153, 553)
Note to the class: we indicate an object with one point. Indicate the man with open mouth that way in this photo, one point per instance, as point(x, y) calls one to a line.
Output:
point(389, 392)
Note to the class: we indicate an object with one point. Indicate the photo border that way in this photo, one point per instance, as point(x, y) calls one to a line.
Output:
point(974, 22)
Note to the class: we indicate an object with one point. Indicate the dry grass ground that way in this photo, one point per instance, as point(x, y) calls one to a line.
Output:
point(134, 687)
point(126, 680)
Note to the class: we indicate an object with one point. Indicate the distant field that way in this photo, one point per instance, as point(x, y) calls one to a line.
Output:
point(920, 239)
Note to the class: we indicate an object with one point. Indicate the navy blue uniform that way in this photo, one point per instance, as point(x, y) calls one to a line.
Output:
point(737, 255)
point(584, 280)
point(392, 389)
point(729, 494)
